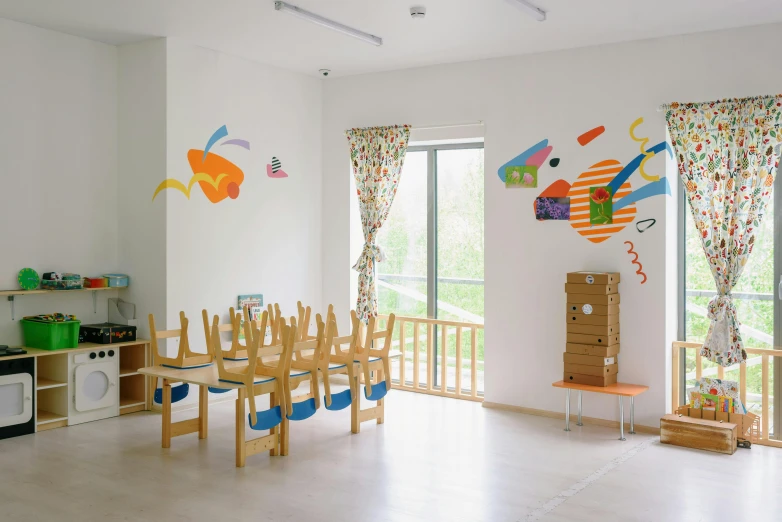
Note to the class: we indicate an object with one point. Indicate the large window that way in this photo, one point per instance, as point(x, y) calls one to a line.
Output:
point(756, 299)
point(433, 240)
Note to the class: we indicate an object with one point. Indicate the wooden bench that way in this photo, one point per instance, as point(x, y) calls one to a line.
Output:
point(621, 390)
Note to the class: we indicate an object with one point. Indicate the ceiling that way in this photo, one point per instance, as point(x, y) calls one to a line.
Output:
point(453, 30)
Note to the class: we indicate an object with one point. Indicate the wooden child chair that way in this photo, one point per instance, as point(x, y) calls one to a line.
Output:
point(237, 351)
point(376, 360)
point(305, 367)
point(185, 358)
point(335, 360)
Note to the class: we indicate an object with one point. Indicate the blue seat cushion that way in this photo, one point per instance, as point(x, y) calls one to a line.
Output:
point(339, 401)
point(336, 366)
point(266, 420)
point(177, 393)
point(379, 391)
point(302, 410)
point(298, 373)
point(261, 381)
point(218, 390)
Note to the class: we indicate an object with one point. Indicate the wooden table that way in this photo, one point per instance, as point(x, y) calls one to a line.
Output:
point(621, 390)
point(276, 442)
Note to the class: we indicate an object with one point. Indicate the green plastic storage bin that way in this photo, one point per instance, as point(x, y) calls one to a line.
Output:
point(51, 336)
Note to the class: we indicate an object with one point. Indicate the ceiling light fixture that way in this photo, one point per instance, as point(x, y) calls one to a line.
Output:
point(325, 22)
point(531, 10)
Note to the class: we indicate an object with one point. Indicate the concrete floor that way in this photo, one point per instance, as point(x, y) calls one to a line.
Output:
point(435, 459)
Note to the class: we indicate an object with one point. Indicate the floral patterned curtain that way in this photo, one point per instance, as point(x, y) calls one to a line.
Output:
point(377, 155)
point(728, 153)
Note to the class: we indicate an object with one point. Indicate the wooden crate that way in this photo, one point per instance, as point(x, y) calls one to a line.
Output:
point(748, 424)
point(689, 432)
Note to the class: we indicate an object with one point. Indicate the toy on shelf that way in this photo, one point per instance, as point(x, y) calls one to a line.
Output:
point(28, 279)
point(65, 281)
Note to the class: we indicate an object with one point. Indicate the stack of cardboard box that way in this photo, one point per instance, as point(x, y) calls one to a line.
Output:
point(591, 355)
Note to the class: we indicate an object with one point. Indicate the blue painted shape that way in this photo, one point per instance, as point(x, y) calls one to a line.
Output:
point(177, 393)
point(265, 420)
point(339, 401)
point(522, 158)
point(303, 410)
point(219, 134)
point(218, 390)
point(379, 391)
point(185, 367)
point(633, 166)
point(655, 188)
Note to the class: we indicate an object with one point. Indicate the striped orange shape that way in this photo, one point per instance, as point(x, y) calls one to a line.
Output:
point(598, 175)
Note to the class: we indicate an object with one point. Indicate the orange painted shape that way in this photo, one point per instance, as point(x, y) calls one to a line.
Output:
point(213, 166)
point(591, 134)
point(598, 175)
point(558, 189)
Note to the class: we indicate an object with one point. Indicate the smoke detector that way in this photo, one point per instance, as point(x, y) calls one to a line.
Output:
point(418, 11)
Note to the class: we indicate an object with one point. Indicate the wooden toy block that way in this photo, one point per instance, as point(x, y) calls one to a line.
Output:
point(593, 278)
point(593, 309)
point(595, 320)
point(593, 299)
point(592, 329)
point(572, 288)
point(594, 340)
point(583, 369)
point(591, 380)
point(589, 360)
point(597, 351)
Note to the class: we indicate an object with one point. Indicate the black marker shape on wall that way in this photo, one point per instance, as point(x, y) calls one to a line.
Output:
point(638, 223)
point(554, 162)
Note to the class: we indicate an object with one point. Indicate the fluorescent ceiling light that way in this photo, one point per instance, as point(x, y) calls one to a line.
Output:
point(531, 10)
point(325, 22)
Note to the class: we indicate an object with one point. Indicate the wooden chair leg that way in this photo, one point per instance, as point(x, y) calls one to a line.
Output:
point(275, 430)
point(380, 408)
point(203, 411)
point(284, 432)
point(166, 414)
point(241, 448)
point(355, 408)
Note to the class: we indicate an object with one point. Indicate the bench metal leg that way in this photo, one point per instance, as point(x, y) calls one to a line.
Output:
point(632, 415)
point(621, 418)
point(579, 423)
point(567, 410)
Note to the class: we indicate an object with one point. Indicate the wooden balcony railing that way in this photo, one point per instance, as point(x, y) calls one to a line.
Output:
point(420, 377)
point(752, 353)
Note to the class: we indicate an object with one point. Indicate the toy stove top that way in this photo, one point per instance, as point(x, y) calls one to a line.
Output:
point(6, 351)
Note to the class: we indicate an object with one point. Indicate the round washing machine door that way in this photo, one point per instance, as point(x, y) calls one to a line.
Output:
point(95, 386)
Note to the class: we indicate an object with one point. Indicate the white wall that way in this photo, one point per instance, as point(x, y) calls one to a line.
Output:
point(268, 240)
point(58, 159)
point(523, 100)
point(142, 164)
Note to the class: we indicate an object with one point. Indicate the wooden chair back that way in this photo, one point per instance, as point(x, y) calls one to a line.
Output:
point(185, 357)
point(237, 351)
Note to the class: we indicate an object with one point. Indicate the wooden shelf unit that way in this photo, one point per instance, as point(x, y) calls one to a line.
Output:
point(53, 387)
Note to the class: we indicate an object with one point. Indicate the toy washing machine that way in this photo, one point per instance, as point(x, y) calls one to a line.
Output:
point(17, 397)
point(94, 385)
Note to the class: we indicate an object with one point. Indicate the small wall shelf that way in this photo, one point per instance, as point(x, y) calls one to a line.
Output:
point(12, 294)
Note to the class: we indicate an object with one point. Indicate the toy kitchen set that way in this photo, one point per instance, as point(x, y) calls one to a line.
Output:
point(67, 372)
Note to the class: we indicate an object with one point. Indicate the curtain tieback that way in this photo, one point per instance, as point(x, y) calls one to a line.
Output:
point(718, 305)
point(371, 251)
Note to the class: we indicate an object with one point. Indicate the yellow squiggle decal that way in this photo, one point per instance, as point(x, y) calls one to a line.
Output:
point(172, 183)
point(647, 155)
